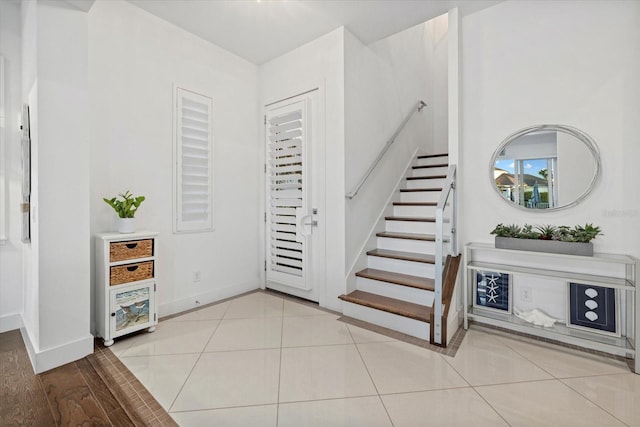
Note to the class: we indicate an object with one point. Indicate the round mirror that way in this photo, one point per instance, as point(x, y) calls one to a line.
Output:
point(545, 167)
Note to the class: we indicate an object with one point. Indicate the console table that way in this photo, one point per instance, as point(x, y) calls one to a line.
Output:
point(601, 287)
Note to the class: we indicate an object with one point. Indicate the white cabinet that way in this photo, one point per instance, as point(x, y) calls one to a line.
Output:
point(594, 298)
point(125, 293)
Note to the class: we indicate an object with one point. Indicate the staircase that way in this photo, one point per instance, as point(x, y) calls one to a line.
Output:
point(396, 291)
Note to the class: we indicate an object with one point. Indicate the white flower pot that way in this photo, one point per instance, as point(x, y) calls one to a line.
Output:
point(126, 225)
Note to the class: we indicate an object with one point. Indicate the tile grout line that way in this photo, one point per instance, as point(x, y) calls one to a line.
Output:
point(589, 400)
point(490, 405)
point(194, 365)
point(369, 373)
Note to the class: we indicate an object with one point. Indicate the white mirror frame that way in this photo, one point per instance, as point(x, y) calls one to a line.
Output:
point(577, 133)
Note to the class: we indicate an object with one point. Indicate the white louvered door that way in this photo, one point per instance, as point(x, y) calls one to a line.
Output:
point(289, 215)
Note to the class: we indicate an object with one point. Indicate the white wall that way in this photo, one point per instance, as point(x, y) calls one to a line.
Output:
point(569, 62)
point(135, 59)
point(11, 289)
point(56, 263)
point(319, 63)
point(384, 81)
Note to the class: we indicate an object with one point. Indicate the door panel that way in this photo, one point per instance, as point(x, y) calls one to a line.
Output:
point(287, 181)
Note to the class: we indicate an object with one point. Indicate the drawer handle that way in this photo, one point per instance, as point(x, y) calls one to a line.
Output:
point(132, 268)
point(131, 245)
point(113, 315)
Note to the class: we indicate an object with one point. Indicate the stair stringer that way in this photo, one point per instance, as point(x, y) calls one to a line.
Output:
point(370, 243)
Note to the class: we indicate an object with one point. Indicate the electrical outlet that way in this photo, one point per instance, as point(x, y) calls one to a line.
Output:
point(526, 294)
point(196, 276)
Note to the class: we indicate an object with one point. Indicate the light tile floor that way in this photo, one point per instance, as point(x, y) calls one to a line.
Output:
point(263, 360)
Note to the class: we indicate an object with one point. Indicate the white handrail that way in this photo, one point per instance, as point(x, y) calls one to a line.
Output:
point(419, 106)
point(449, 189)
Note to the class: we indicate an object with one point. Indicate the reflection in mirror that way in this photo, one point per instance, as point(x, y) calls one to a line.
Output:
point(546, 167)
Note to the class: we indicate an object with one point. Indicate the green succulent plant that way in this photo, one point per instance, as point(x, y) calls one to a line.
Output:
point(127, 206)
point(502, 230)
point(547, 231)
point(579, 233)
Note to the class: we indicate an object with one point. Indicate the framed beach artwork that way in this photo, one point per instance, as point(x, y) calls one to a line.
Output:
point(493, 290)
point(130, 308)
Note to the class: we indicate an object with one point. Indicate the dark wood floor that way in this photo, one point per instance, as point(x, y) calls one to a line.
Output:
point(95, 391)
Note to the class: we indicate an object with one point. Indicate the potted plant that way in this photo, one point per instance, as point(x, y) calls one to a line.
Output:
point(547, 238)
point(126, 208)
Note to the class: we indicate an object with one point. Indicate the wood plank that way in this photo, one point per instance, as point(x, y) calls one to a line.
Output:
point(413, 178)
point(70, 398)
point(406, 256)
point(424, 283)
point(409, 218)
point(439, 165)
point(415, 203)
point(106, 399)
point(429, 156)
point(407, 236)
point(415, 190)
point(22, 400)
point(390, 305)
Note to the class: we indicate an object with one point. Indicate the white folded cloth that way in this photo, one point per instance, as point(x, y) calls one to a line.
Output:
point(535, 316)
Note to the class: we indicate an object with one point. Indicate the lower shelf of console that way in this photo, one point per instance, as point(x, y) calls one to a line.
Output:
point(619, 346)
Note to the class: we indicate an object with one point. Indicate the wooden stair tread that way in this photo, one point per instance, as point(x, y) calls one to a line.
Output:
point(407, 236)
point(413, 190)
point(429, 156)
point(406, 256)
point(415, 203)
point(390, 305)
point(439, 165)
point(409, 218)
point(424, 283)
point(411, 178)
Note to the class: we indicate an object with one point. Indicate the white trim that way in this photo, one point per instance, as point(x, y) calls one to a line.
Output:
point(4, 202)
point(45, 360)
point(194, 301)
point(9, 322)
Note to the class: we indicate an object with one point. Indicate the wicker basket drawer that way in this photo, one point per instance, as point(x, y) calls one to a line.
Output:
point(131, 272)
point(120, 251)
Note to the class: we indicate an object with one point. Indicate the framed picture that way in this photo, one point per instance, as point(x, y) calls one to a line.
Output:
point(130, 308)
point(493, 291)
point(593, 308)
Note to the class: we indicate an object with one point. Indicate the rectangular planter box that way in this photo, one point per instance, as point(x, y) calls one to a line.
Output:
point(551, 246)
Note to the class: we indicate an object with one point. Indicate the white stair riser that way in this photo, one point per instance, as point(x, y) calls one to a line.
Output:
point(406, 245)
point(423, 211)
point(412, 268)
point(425, 183)
point(411, 227)
point(420, 196)
point(414, 328)
point(442, 170)
point(391, 290)
point(433, 161)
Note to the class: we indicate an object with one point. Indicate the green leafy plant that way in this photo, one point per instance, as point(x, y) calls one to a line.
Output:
point(586, 233)
point(127, 206)
point(579, 233)
point(547, 231)
point(502, 230)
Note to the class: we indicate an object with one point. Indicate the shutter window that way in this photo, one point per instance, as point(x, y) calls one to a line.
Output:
point(194, 162)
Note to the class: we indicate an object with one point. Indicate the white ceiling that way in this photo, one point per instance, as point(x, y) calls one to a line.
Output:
point(260, 30)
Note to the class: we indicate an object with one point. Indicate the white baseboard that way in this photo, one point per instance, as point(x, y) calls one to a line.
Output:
point(184, 304)
point(453, 323)
point(9, 322)
point(45, 360)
